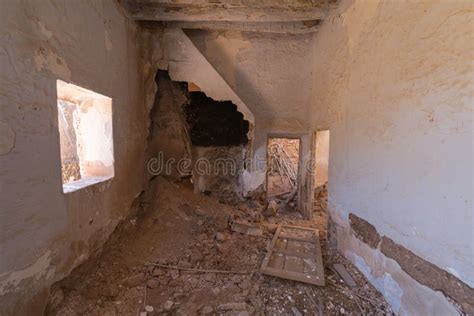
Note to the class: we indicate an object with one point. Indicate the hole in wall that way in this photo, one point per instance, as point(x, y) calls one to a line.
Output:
point(215, 123)
point(199, 137)
point(85, 134)
point(218, 135)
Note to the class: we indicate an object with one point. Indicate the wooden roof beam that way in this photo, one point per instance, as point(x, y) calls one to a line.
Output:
point(147, 10)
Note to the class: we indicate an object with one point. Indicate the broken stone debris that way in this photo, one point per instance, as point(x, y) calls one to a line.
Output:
point(153, 283)
point(220, 236)
point(167, 305)
point(181, 292)
point(206, 310)
point(272, 209)
point(149, 309)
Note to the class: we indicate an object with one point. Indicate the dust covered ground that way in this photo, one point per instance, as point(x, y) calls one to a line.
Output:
point(175, 227)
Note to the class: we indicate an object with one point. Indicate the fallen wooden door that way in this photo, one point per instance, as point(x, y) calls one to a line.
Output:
point(295, 254)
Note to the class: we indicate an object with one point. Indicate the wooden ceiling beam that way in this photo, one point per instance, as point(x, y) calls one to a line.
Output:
point(299, 27)
point(149, 10)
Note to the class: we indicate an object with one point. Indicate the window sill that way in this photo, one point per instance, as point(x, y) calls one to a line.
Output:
point(83, 183)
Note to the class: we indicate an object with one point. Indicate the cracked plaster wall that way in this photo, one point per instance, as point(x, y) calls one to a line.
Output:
point(393, 81)
point(272, 74)
point(43, 232)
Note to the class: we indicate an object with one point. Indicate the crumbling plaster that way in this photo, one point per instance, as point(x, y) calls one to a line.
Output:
point(43, 232)
point(185, 63)
point(405, 295)
point(393, 82)
point(172, 50)
point(270, 74)
point(265, 75)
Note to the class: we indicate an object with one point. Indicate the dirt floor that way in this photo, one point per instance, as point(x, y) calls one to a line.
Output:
point(178, 228)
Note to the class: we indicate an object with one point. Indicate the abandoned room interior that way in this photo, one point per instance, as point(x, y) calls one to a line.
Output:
point(233, 157)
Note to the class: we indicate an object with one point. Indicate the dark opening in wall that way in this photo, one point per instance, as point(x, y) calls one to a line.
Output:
point(215, 123)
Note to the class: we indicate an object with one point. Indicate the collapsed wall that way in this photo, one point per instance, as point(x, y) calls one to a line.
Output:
point(392, 82)
point(219, 137)
point(270, 73)
point(45, 233)
point(194, 135)
point(170, 50)
point(375, 66)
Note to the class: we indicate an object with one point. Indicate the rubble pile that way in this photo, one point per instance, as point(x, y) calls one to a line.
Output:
point(190, 255)
point(321, 199)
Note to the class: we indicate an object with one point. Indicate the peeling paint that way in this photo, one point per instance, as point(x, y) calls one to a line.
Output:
point(385, 283)
point(454, 272)
point(405, 295)
point(392, 291)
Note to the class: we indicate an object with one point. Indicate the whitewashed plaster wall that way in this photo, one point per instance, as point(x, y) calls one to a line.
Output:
point(270, 72)
point(43, 232)
point(393, 81)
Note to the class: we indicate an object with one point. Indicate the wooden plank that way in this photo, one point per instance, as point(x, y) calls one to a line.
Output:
point(297, 265)
point(272, 246)
point(309, 247)
point(293, 264)
point(281, 244)
point(341, 270)
point(306, 278)
point(277, 261)
point(297, 233)
point(295, 246)
point(291, 253)
point(299, 227)
point(291, 27)
point(318, 255)
point(296, 238)
point(146, 10)
point(309, 266)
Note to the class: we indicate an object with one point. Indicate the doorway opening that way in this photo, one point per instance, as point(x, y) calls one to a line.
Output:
point(321, 172)
point(283, 159)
